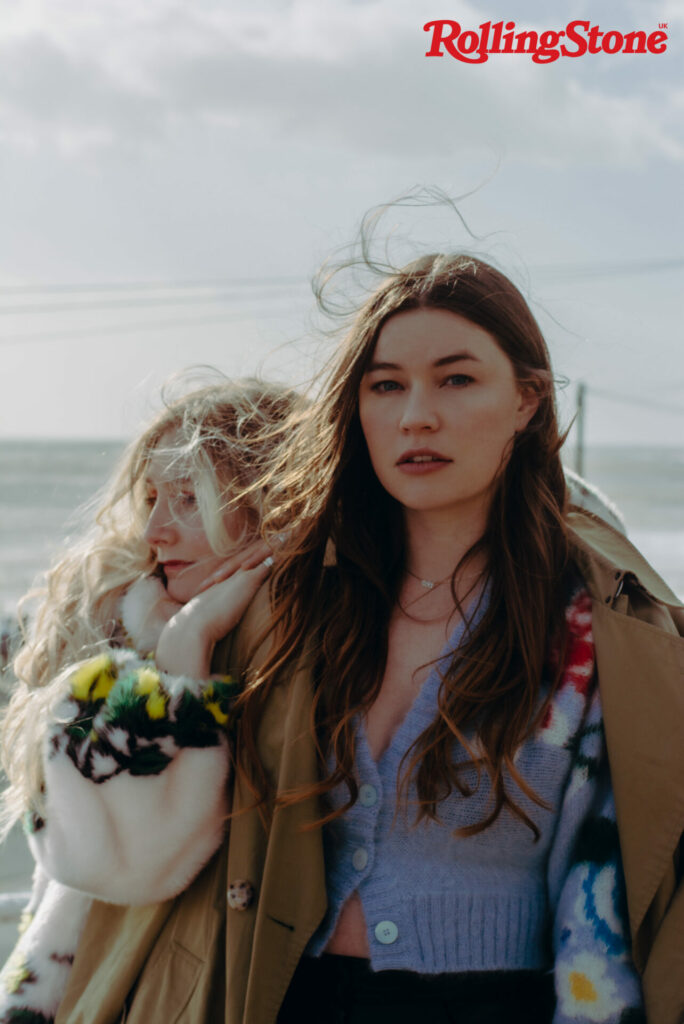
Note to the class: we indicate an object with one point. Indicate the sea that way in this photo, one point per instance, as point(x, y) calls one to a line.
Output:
point(43, 484)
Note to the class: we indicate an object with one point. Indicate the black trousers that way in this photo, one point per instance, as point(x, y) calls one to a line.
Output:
point(343, 990)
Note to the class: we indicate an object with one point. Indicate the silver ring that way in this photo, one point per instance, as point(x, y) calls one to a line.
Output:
point(268, 561)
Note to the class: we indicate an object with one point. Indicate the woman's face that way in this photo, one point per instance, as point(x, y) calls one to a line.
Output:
point(439, 408)
point(174, 529)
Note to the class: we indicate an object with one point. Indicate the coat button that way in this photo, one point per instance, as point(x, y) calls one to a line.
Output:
point(240, 894)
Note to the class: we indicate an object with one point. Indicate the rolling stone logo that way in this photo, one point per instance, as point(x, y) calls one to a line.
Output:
point(575, 40)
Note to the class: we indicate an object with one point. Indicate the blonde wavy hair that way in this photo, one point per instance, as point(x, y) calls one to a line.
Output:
point(224, 435)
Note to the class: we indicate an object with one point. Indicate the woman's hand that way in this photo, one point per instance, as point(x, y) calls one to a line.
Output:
point(187, 641)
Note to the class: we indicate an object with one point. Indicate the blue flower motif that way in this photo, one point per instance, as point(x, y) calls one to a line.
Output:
point(601, 907)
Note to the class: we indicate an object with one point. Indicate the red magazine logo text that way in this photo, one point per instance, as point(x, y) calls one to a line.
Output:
point(575, 40)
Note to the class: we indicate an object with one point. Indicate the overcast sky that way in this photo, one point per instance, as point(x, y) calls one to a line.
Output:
point(237, 141)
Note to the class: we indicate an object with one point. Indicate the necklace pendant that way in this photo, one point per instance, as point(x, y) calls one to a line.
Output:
point(428, 584)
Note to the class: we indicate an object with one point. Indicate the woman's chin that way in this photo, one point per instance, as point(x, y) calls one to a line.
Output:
point(177, 592)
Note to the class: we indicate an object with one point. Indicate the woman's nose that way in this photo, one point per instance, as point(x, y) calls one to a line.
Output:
point(419, 412)
point(160, 527)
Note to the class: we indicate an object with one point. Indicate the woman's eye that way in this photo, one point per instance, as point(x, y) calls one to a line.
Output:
point(383, 386)
point(150, 500)
point(458, 380)
point(188, 499)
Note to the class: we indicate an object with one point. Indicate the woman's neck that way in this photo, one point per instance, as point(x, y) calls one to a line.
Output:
point(436, 542)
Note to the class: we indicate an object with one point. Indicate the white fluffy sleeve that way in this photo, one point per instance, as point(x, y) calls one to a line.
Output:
point(136, 773)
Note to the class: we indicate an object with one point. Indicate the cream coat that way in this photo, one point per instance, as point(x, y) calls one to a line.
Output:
point(192, 961)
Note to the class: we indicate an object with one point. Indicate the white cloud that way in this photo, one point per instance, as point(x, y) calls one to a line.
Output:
point(49, 94)
point(353, 74)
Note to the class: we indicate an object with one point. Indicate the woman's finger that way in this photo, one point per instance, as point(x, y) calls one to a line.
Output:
point(254, 554)
point(217, 611)
point(256, 551)
point(256, 557)
point(227, 570)
point(224, 572)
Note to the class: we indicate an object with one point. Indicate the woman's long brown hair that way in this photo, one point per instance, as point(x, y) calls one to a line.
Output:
point(326, 491)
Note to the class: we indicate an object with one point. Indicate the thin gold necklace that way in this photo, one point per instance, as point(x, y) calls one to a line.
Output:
point(428, 584)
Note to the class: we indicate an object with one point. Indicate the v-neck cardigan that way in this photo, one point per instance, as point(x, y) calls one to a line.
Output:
point(434, 902)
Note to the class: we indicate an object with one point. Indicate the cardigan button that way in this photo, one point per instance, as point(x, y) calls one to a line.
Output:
point(360, 859)
point(368, 795)
point(240, 894)
point(386, 932)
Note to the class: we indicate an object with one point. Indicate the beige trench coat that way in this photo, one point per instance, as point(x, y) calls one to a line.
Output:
point(193, 961)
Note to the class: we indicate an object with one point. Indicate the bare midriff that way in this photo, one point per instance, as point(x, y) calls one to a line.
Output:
point(350, 937)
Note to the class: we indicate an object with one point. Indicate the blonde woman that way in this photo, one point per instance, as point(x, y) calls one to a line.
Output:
point(166, 534)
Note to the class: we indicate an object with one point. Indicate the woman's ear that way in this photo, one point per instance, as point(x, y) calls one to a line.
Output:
point(528, 403)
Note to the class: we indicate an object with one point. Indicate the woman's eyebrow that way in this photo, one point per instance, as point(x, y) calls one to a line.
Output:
point(383, 366)
point(457, 357)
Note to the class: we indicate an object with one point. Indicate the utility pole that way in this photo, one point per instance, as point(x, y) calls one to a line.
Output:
point(579, 448)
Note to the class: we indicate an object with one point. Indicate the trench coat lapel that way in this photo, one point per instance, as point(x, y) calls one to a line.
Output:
point(641, 677)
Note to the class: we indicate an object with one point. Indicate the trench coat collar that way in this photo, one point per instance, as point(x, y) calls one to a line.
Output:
point(606, 557)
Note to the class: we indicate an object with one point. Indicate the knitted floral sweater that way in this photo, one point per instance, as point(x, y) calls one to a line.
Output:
point(126, 725)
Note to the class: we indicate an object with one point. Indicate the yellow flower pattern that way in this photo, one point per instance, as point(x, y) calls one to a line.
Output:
point(581, 988)
point(149, 682)
point(213, 706)
point(94, 679)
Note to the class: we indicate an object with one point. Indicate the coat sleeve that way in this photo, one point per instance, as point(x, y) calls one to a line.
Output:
point(595, 978)
point(135, 769)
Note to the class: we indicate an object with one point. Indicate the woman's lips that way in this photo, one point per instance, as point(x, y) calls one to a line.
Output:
point(171, 567)
point(422, 461)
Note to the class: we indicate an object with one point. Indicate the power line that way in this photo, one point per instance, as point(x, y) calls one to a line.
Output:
point(284, 280)
point(86, 306)
point(172, 285)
